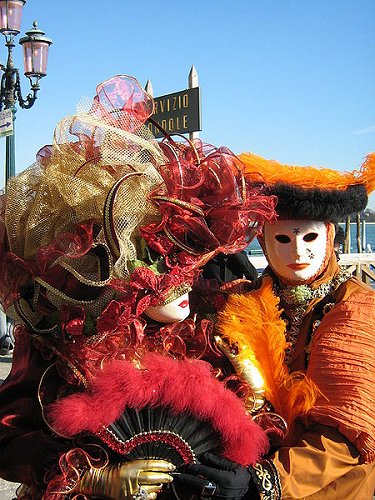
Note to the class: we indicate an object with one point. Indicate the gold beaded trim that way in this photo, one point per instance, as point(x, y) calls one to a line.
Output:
point(31, 318)
point(83, 279)
point(180, 244)
point(180, 203)
point(176, 292)
point(62, 295)
point(107, 219)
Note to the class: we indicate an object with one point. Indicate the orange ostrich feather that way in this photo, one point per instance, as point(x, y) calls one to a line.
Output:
point(367, 173)
point(252, 322)
point(310, 177)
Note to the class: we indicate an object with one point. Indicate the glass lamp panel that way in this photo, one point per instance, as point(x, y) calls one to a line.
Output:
point(11, 16)
point(35, 57)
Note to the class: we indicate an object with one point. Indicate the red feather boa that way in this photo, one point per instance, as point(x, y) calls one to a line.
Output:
point(181, 385)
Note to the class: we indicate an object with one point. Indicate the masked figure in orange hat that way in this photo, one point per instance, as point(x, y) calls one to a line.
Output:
point(308, 328)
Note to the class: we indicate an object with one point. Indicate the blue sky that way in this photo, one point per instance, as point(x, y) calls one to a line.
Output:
point(292, 80)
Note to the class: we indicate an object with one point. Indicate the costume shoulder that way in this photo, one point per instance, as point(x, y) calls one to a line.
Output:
point(342, 364)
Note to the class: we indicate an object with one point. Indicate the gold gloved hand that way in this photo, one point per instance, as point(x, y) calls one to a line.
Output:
point(125, 480)
point(245, 368)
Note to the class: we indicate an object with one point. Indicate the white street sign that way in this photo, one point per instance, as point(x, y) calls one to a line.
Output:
point(6, 122)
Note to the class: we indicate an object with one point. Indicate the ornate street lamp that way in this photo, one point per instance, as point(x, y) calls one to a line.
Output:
point(11, 16)
point(35, 51)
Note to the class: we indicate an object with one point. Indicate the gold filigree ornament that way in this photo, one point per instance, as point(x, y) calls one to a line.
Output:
point(175, 292)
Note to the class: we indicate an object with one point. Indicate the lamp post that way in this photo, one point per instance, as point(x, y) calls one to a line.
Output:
point(35, 53)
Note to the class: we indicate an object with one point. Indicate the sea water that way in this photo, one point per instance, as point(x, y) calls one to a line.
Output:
point(254, 247)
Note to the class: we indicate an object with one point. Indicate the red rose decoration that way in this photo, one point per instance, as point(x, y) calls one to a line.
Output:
point(73, 320)
point(115, 316)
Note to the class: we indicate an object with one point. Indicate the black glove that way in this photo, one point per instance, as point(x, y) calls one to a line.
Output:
point(214, 477)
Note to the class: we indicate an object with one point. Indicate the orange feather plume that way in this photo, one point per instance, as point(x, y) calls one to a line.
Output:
point(367, 173)
point(252, 322)
point(310, 177)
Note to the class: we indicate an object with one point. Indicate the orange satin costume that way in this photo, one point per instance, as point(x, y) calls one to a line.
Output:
point(330, 452)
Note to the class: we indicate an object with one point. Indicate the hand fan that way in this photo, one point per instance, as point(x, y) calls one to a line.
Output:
point(166, 408)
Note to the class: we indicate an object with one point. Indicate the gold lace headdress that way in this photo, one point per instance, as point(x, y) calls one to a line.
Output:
point(106, 199)
point(71, 179)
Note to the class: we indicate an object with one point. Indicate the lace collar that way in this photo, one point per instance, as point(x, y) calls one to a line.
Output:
point(297, 298)
point(302, 295)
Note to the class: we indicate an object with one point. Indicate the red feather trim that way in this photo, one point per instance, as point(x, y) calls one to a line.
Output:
point(181, 385)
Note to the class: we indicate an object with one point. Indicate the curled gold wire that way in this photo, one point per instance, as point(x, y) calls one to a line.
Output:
point(46, 371)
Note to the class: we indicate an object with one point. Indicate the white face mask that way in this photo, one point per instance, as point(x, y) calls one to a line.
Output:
point(173, 312)
point(296, 249)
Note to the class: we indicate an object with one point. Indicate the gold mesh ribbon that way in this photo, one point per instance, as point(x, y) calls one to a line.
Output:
point(88, 156)
point(69, 185)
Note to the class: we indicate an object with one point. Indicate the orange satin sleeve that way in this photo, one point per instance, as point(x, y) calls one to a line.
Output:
point(322, 465)
point(342, 364)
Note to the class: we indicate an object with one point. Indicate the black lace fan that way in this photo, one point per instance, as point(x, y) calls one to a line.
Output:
point(160, 434)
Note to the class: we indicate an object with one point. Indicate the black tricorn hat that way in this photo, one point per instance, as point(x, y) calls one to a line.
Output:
point(312, 193)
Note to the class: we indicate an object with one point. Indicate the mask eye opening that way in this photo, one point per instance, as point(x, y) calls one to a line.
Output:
point(282, 238)
point(310, 237)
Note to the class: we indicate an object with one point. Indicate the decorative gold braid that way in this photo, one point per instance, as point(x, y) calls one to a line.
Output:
point(267, 480)
point(180, 203)
point(179, 243)
point(108, 226)
point(95, 283)
point(264, 477)
point(107, 221)
point(62, 295)
point(36, 294)
point(81, 278)
point(31, 318)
